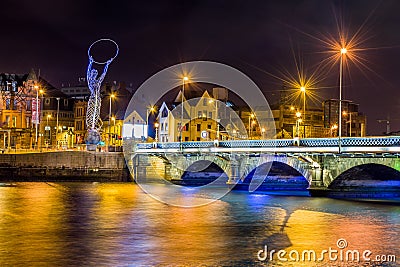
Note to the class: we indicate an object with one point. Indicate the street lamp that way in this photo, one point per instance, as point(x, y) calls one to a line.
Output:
point(250, 118)
point(149, 110)
point(185, 79)
point(156, 126)
point(343, 52)
point(303, 90)
point(113, 119)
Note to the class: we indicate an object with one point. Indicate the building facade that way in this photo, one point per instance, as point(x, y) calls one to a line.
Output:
point(354, 123)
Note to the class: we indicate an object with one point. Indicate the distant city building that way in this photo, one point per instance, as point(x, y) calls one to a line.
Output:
point(58, 118)
point(354, 123)
point(80, 108)
point(290, 121)
point(18, 100)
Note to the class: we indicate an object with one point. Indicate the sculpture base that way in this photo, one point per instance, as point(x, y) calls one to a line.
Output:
point(91, 147)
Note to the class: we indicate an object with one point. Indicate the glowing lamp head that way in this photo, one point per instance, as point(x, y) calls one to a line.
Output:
point(291, 108)
point(41, 91)
point(252, 115)
point(263, 130)
point(112, 95)
point(185, 78)
point(343, 51)
point(303, 89)
point(298, 114)
point(156, 125)
point(300, 120)
point(49, 116)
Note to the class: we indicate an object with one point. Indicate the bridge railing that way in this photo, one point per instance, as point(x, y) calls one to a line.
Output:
point(384, 141)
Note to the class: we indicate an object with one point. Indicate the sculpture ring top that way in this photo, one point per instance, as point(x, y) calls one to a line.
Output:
point(101, 40)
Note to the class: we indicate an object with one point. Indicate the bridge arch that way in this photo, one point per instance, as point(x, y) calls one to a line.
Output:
point(300, 165)
point(179, 165)
point(368, 176)
point(335, 167)
point(271, 176)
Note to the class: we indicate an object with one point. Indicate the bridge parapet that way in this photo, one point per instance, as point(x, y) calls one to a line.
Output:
point(386, 141)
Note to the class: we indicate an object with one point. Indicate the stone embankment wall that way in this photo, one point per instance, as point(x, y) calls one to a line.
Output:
point(64, 166)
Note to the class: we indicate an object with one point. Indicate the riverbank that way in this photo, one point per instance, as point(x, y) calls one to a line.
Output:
point(64, 166)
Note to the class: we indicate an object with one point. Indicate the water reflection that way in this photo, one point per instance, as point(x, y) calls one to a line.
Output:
point(76, 224)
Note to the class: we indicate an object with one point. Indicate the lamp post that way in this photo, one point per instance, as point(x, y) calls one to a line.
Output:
point(156, 127)
point(343, 51)
point(111, 138)
point(185, 78)
point(303, 90)
point(250, 118)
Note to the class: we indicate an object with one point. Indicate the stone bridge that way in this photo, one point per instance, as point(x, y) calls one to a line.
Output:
point(320, 161)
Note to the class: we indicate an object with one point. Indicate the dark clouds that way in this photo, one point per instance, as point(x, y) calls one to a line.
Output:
point(54, 36)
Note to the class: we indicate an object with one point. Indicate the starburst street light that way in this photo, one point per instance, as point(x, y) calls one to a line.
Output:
point(184, 79)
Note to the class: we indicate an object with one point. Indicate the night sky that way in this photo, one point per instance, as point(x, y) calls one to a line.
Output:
point(256, 37)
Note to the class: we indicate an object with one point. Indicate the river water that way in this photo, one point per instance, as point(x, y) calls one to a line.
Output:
point(110, 224)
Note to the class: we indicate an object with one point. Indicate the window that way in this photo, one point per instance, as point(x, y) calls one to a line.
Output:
point(205, 101)
point(198, 139)
point(7, 103)
point(65, 102)
point(28, 121)
point(14, 122)
point(199, 114)
point(166, 126)
point(28, 105)
point(8, 121)
point(209, 126)
point(210, 115)
point(198, 127)
point(47, 101)
point(164, 113)
point(186, 138)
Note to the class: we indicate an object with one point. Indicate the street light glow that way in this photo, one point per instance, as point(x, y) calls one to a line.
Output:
point(185, 78)
point(298, 114)
point(343, 50)
point(302, 88)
